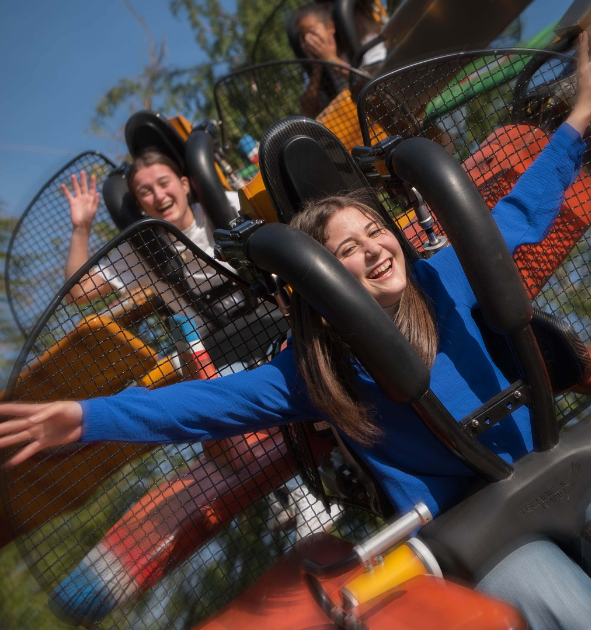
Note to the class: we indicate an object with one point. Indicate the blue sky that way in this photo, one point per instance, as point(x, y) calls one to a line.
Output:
point(59, 58)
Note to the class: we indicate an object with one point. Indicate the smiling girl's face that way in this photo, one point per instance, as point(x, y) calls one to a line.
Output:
point(162, 194)
point(370, 252)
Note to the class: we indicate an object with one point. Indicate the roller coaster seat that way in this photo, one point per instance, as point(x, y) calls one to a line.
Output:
point(194, 153)
point(548, 491)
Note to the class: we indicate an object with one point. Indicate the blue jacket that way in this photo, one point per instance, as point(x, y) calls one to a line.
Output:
point(410, 462)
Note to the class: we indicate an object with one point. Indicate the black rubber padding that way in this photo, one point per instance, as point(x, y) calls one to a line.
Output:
point(344, 18)
point(307, 170)
point(272, 145)
point(471, 229)
point(120, 204)
point(321, 279)
point(546, 496)
point(202, 174)
point(147, 129)
point(566, 358)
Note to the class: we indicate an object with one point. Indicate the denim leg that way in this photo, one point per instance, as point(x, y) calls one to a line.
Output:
point(552, 591)
point(586, 546)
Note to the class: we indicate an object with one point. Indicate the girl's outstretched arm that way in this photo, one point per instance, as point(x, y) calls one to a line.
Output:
point(191, 411)
point(528, 212)
point(42, 425)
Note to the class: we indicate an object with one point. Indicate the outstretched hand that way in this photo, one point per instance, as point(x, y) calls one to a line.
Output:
point(84, 202)
point(581, 114)
point(42, 425)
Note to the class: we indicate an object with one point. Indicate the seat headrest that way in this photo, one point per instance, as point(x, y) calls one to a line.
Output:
point(300, 160)
point(195, 157)
point(344, 18)
point(119, 201)
point(147, 129)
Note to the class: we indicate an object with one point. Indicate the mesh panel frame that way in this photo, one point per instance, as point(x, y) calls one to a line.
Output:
point(41, 239)
point(272, 41)
point(174, 531)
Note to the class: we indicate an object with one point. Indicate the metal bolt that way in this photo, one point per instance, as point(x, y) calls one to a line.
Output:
point(378, 560)
point(517, 395)
point(475, 424)
point(350, 621)
point(368, 568)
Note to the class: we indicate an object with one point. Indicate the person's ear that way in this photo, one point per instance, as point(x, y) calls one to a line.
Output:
point(330, 27)
point(185, 184)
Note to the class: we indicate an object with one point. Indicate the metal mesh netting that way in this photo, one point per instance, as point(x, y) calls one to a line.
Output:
point(39, 244)
point(251, 100)
point(149, 536)
point(495, 113)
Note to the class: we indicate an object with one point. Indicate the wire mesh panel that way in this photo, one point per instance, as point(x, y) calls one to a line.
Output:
point(142, 535)
point(495, 111)
point(39, 245)
point(251, 100)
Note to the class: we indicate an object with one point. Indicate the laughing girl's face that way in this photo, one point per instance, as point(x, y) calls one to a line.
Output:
point(370, 252)
point(163, 195)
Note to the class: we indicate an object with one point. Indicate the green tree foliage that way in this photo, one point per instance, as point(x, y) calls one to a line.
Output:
point(23, 604)
point(224, 35)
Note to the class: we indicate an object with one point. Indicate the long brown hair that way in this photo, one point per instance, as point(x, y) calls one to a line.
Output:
point(323, 359)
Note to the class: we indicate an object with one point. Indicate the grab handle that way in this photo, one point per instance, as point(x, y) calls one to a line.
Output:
point(471, 229)
point(320, 279)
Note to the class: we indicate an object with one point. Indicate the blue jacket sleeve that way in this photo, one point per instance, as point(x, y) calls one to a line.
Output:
point(528, 212)
point(524, 216)
point(192, 411)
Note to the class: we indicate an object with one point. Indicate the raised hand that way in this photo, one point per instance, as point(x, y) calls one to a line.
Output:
point(42, 425)
point(84, 202)
point(581, 114)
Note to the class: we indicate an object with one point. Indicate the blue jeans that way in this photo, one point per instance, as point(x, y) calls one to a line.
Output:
point(551, 590)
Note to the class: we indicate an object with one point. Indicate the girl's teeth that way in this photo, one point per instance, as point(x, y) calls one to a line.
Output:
point(380, 269)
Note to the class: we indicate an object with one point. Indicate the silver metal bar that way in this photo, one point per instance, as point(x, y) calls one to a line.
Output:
point(399, 529)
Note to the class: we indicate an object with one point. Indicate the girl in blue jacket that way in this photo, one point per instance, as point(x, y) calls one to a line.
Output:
point(316, 378)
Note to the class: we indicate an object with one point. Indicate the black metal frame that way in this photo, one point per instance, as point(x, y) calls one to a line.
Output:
point(262, 29)
point(354, 72)
point(22, 218)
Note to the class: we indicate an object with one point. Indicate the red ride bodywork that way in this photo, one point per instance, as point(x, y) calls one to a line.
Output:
point(280, 600)
point(169, 523)
point(501, 159)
